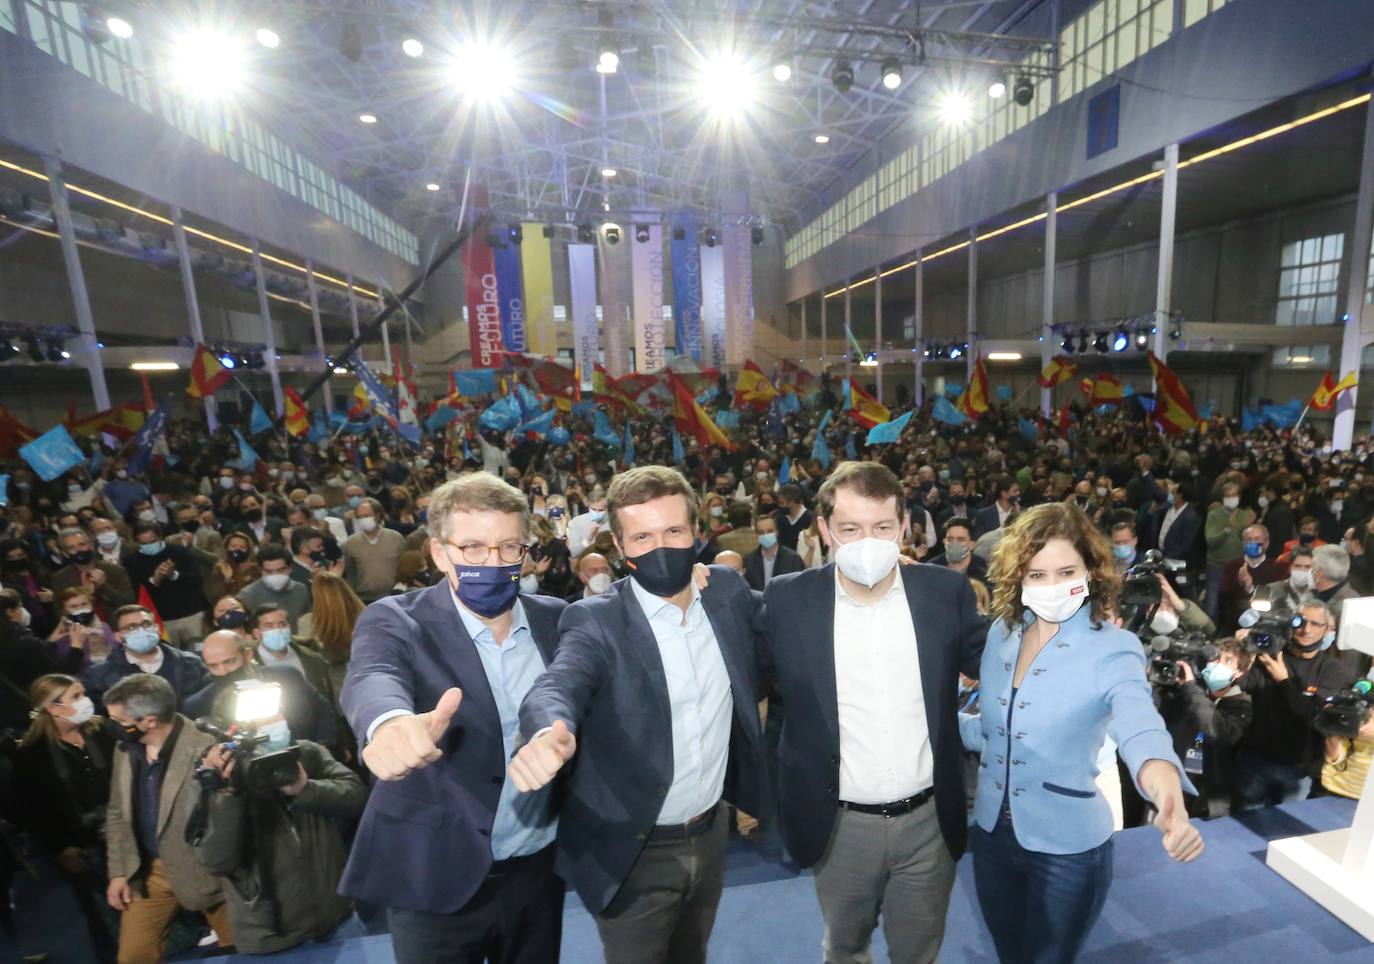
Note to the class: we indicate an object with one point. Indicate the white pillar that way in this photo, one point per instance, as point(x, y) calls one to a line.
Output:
point(352, 304)
point(314, 291)
point(1048, 347)
point(919, 328)
point(386, 334)
point(1357, 316)
point(188, 285)
point(1165, 281)
point(803, 329)
point(268, 336)
point(88, 351)
point(825, 345)
point(848, 332)
point(878, 325)
point(972, 302)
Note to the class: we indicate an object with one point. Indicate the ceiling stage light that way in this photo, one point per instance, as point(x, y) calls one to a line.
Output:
point(268, 38)
point(1100, 343)
point(1142, 338)
point(997, 89)
point(842, 76)
point(431, 186)
point(206, 64)
point(119, 27)
point(607, 61)
point(892, 74)
point(782, 71)
point(954, 109)
point(642, 233)
point(608, 172)
point(1082, 341)
point(822, 138)
point(1120, 340)
point(412, 47)
point(1067, 344)
point(1023, 91)
point(612, 233)
point(725, 84)
point(368, 118)
point(483, 72)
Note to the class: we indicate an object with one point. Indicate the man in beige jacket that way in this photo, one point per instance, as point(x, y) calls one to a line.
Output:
point(153, 871)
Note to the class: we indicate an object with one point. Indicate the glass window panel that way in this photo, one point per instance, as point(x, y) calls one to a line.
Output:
point(1289, 255)
point(1332, 245)
point(1311, 250)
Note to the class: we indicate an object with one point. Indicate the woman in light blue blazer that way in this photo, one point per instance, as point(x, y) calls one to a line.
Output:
point(1057, 679)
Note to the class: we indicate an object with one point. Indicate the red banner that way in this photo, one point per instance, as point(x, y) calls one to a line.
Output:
point(484, 310)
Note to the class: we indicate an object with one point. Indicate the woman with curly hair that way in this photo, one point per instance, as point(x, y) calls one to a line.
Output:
point(1057, 678)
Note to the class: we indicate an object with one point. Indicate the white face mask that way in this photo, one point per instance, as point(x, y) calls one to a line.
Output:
point(107, 539)
point(82, 710)
point(1055, 604)
point(367, 524)
point(1231, 503)
point(529, 583)
point(1300, 579)
point(276, 581)
point(1165, 622)
point(867, 561)
point(599, 583)
point(1262, 502)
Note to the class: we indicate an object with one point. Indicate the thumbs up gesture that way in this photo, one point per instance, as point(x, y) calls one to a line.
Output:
point(408, 743)
point(1182, 841)
point(539, 760)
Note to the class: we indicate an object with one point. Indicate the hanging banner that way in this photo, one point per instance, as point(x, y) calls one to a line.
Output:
point(713, 306)
point(615, 300)
point(484, 311)
point(509, 293)
point(650, 336)
point(582, 306)
point(739, 293)
point(536, 263)
point(686, 268)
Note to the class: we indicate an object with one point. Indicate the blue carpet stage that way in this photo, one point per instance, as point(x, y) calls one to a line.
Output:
point(1227, 904)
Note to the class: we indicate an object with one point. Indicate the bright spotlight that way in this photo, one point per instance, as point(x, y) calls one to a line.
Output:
point(607, 62)
point(268, 38)
point(725, 84)
point(206, 64)
point(822, 138)
point(1142, 339)
point(412, 47)
point(482, 72)
point(1120, 340)
point(782, 71)
point(431, 186)
point(997, 89)
point(119, 28)
point(892, 74)
point(954, 109)
point(608, 172)
point(367, 118)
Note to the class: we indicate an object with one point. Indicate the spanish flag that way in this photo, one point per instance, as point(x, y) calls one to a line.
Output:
point(1324, 398)
point(122, 421)
point(13, 433)
point(689, 417)
point(297, 418)
point(608, 392)
point(975, 398)
point(1060, 369)
point(865, 409)
point(361, 404)
point(207, 374)
point(1106, 390)
point(754, 388)
point(1174, 411)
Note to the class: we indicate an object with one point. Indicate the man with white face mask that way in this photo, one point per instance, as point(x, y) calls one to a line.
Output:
point(594, 572)
point(1292, 592)
point(867, 658)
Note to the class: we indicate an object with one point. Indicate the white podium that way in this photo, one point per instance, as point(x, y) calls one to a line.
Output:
point(1336, 868)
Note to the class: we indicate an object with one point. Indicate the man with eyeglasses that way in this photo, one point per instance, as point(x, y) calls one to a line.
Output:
point(462, 861)
point(141, 650)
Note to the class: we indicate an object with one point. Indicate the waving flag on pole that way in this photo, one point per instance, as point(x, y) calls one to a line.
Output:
point(1106, 390)
point(248, 457)
point(785, 473)
point(207, 374)
point(258, 421)
point(405, 397)
point(1324, 398)
point(753, 387)
point(943, 411)
point(52, 453)
point(297, 418)
point(679, 456)
point(974, 401)
point(689, 417)
point(148, 437)
point(887, 433)
point(602, 430)
point(820, 451)
point(1174, 411)
point(380, 399)
point(865, 409)
point(1059, 370)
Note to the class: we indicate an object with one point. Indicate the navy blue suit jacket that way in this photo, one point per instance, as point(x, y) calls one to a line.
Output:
point(1180, 542)
point(800, 618)
point(608, 685)
point(425, 840)
point(985, 520)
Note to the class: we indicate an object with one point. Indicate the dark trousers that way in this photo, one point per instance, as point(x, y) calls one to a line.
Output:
point(516, 917)
point(666, 908)
point(1039, 907)
point(1262, 783)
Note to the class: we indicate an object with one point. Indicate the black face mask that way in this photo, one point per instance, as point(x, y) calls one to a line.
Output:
point(81, 558)
point(722, 490)
point(232, 619)
point(121, 733)
point(82, 619)
point(319, 557)
point(664, 571)
point(190, 526)
point(237, 555)
point(1306, 538)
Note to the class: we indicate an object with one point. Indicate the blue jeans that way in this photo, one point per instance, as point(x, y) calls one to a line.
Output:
point(1039, 907)
point(1261, 783)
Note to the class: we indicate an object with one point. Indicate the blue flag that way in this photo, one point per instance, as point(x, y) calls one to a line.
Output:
point(943, 411)
point(319, 429)
point(785, 473)
point(725, 418)
point(583, 409)
point(602, 430)
point(885, 433)
point(820, 451)
point(707, 397)
point(559, 436)
point(258, 421)
point(4, 490)
point(776, 427)
point(471, 384)
point(1003, 393)
point(849, 450)
point(441, 417)
point(147, 437)
point(953, 389)
point(247, 456)
point(825, 420)
point(1204, 412)
point(627, 457)
point(501, 415)
point(789, 403)
point(381, 400)
point(528, 402)
point(96, 460)
point(539, 425)
point(1029, 429)
point(679, 456)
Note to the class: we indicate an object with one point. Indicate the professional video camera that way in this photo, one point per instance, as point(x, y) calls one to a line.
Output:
point(254, 770)
point(1344, 713)
point(1270, 631)
point(1167, 651)
point(1140, 583)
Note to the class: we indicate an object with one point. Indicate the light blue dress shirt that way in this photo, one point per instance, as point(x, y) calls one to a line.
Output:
point(700, 701)
point(525, 822)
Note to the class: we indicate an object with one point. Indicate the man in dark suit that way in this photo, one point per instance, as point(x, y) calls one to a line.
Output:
point(1176, 533)
point(1006, 499)
point(770, 559)
point(867, 656)
point(462, 861)
point(655, 689)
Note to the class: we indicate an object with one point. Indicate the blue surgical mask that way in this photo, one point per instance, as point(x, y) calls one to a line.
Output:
point(276, 639)
point(487, 590)
point(1253, 550)
point(320, 513)
point(1123, 553)
point(141, 640)
point(354, 501)
point(151, 548)
point(278, 736)
point(1328, 639)
point(944, 475)
point(768, 539)
point(1217, 677)
point(597, 514)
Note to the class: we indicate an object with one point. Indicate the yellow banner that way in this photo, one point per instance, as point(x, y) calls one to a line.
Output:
point(536, 264)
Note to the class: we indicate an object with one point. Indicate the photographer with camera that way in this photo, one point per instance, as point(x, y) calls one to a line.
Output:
point(153, 872)
point(1347, 725)
point(1294, 672)
point(1150, 606)
point(271, 832)
point(1207, 713)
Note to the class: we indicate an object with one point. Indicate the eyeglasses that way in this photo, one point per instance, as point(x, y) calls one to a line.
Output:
point(476, 554)
point(146, 624)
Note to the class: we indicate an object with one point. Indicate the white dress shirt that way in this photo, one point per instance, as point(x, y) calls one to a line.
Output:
point(768, 563)
point(885, 752)
point(700, 702)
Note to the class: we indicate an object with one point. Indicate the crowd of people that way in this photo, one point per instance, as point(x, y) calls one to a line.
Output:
point(136, 609)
